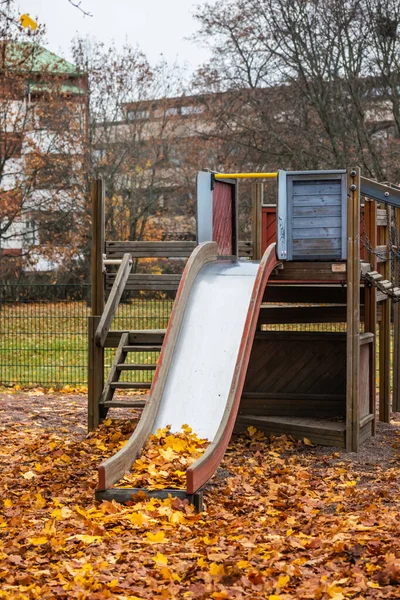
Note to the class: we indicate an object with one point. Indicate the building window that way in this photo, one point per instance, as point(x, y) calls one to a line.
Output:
point(135, 115)
point(192, 110)
point(171, 112)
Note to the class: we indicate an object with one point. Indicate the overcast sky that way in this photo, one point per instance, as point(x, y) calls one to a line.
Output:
point(157, 26)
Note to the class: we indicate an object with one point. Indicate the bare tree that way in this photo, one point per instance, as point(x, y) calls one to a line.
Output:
point(305, 80)
point(42, 139)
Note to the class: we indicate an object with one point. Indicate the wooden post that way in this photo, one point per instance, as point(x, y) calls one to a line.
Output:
point(396, 333)
point(384, 335)
point(95, 375)
point(257, 193)
point(370, 299)
point(353, 311)
point(96, 353)
point(98, 246)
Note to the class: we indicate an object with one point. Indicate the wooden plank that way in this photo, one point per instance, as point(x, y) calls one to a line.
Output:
point(146, 337)
point(384, 341)
point(331, 244)
point(97, 247)
point(309, 271)
point(318, 431)
point(173, 249)
point(136, 367)
point(318, 210)
point(145, 249)
point(303, 314)
point(95, 375)
point(311, 336)
point(125, 404)
point(383, 253)
point(381, 218)
point(130, 385)
point(96, 354)
point(146, 281)
point(113, 300)
point(317, 222)
point(353, 311)
point(396, 332)
point(316, 233)
point(314, 294)
point(317, 425)
point(316, 200)
point(293, 404)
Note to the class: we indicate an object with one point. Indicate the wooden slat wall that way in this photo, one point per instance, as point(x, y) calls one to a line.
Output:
point(297, 374)
point(149, 282)
point(162, 249)
point(315, 214)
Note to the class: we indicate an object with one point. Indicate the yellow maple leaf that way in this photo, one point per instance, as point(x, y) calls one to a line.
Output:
point(274, 597)
point(307, 442)
point(209, 541)
point(251, 430)
point(40, 501)
point(335, 592)
point(201, 562)
point(87, 539)
point(160, 559)
point(136, 519)
point(38, 541)
point(165, 573)
point(107, 422)
point(27, 22)
point(282, 580)
point(373, 584)
point(168, 454)
point(243, 564)
point(7, 503)
point(216, 570)
point(155, 538)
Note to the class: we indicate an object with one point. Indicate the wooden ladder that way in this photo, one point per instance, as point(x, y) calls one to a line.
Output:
point(118, 366)
point(384, 285)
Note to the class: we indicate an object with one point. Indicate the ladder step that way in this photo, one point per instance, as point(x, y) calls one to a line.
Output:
point(135, 367)
point(122, 404)
point(128, 385)
point(385, 284)
point(142, 348)
point(374, 276)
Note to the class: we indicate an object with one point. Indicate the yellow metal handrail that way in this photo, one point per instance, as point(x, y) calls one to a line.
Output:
point(245, 175)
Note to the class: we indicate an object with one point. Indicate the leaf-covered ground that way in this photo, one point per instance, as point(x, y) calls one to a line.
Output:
point(282, 520)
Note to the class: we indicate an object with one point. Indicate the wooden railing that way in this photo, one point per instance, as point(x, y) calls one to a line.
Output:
point(114, 298)
point(147, 281)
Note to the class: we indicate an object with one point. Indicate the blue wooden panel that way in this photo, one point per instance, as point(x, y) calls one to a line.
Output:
point(312, 210)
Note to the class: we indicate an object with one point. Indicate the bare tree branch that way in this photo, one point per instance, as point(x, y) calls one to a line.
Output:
point(78, 4)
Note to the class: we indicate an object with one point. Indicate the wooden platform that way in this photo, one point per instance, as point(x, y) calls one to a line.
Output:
point(318, 431)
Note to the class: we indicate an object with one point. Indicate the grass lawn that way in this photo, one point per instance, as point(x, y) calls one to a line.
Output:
point(46, 343)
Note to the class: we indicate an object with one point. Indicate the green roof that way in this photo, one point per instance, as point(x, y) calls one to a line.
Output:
point(32, 58)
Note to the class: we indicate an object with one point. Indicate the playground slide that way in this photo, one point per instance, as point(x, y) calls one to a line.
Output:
point(203, 362)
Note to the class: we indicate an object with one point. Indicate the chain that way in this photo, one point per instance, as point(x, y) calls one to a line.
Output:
point(368, 244)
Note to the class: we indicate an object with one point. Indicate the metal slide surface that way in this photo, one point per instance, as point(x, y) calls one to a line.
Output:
point(204, 360)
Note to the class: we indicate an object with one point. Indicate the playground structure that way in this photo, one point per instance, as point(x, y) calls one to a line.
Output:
point(218, 369)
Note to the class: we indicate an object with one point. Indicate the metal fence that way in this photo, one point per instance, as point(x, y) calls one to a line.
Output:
point(43, 331)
